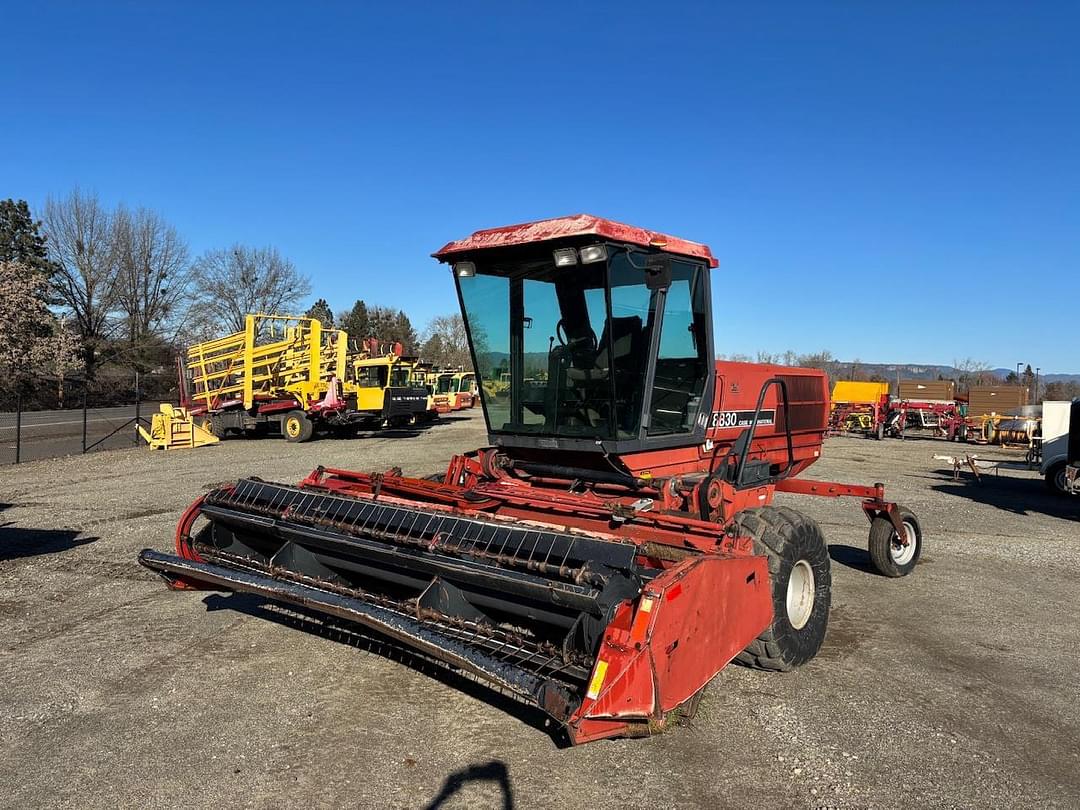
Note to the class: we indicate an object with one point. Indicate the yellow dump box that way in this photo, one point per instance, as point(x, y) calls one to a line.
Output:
point(858, 392)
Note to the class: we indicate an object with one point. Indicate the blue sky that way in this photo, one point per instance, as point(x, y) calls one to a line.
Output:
point(892, 184)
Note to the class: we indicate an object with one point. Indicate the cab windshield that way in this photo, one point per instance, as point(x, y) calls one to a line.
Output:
point(444, 385)
point(575, 343)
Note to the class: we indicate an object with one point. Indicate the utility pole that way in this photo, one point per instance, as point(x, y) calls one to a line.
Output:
point(1037, 370)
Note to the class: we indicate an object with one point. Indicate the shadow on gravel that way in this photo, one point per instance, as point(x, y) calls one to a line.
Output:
point(390, 433)
point(17, 542)
point(852, 557)
point(1017, 495)
point(371, 642)
point(493, 771)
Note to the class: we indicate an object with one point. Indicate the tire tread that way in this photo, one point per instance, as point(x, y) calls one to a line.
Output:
point(773, 528)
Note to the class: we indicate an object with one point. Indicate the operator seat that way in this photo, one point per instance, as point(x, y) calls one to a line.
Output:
point(627, 347)
point(623, 361)
point(624, 355)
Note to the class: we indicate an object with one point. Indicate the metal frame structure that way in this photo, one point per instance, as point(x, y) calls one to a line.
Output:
point(281, 370)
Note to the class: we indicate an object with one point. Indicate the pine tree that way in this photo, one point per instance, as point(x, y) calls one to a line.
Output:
point(20, 238)
point(321, 311)
point(404, 333)
point(356, 322)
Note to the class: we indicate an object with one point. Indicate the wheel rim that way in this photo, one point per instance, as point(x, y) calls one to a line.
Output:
point(901, 554)
point(1061, 481)
point(800, 594)
point(292, 427)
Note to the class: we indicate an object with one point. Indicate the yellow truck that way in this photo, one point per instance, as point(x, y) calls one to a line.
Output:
point(390, 390)
point(282, 373)
point(418, 376)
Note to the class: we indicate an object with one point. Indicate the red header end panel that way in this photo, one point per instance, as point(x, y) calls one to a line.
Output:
point(689, 623)
point(738, 386)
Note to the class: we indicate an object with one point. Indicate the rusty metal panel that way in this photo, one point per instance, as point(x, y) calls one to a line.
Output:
point(987, 399)
point(576, 225)
point(927, 390)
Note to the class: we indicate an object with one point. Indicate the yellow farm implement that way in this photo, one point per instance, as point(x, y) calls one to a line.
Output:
point(173, 428)
point(282, 371)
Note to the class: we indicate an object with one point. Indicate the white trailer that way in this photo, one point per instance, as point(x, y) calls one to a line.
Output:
point(1055, 444)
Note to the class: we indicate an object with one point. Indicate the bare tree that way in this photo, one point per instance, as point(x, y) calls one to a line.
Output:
point(1062, 389)
point(973, 372)
point(445, 342)
point(153, 275)
point(233, 282)
point(822, 360)
point(80, 241)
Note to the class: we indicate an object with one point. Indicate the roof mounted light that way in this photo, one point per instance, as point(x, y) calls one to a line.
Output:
point(564, 257)
point(464, 269)
point(593, 253)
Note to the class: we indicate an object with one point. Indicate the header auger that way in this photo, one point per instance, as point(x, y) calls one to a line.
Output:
point(617, 544)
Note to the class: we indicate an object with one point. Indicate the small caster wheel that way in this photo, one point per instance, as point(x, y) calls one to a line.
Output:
point(890, 557)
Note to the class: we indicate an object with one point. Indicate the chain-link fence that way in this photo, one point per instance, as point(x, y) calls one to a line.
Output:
point(83, 419)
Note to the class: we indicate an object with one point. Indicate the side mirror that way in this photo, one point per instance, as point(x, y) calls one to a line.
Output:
point(658, 272)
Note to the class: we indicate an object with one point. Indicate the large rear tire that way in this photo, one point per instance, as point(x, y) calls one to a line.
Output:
point(297, 427)
point(213, 427)
point(801, 582)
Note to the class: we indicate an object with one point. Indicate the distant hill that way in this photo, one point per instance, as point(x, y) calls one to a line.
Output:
point(1004, 372)
point(917, 371)
point(845, 369)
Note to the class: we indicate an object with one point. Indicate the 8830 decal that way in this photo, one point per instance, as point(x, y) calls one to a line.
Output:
point(725, 420)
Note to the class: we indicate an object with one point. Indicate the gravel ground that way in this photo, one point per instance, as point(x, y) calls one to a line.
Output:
point(955, 687)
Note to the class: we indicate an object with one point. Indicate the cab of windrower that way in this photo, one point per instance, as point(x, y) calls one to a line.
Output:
point(606, 342)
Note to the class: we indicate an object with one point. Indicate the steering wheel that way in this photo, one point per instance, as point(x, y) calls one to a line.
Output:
point(564, 340)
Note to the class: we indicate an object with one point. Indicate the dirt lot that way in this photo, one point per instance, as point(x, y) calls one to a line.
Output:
point(953, 687)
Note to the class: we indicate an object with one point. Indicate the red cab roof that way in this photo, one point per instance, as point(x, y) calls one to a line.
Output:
point(576, 225)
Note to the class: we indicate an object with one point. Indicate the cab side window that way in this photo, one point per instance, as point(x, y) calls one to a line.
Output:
point(681, 362)
point(371, 377)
